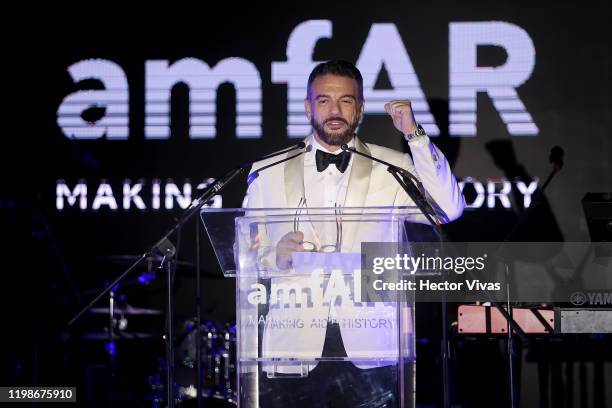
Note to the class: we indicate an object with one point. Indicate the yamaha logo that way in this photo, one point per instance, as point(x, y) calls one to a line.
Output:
point(578, 298)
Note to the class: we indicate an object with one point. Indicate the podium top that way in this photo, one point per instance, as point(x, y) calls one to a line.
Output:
point(400, 210)
point(237, 233)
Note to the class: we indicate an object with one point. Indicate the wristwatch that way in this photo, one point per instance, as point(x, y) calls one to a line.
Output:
point(419, 131)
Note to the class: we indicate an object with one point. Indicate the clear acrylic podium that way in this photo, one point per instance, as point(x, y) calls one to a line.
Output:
point(305, 336)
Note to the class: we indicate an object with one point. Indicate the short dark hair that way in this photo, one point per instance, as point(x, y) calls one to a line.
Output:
point(336, 67)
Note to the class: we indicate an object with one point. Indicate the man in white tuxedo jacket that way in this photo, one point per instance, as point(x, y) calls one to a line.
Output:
point(327, 176)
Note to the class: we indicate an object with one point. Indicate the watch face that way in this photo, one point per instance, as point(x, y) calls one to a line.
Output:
point(419, 131)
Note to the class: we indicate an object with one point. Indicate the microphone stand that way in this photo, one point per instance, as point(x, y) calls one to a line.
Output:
point(165, 247)
point(413, 187)
point(414, 192)
point(556, 159)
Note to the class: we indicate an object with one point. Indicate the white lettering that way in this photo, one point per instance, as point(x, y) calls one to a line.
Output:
point(130, 193)
point(501, 194)
point(203, 83)
point(104, 196)
point(384, 48)
point(172, 191)
point(62, 190)
point(527, 191)
point(113, 99)
point(500, 83)
point(480, 192)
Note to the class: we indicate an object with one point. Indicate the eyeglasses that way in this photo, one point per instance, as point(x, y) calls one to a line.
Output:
point(311, 246)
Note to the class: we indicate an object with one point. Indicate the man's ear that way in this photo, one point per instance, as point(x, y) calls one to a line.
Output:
point(361, 109)
point(307, 109)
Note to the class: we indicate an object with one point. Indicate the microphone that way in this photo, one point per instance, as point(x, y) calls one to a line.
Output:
point(556, 157)
point(413, 188)
point(297, 146)
point(300, 145)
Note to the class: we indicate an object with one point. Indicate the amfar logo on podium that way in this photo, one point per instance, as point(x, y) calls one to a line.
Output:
point(383, 47)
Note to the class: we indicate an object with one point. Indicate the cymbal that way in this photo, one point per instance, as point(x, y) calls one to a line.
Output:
point(103, 335)
point(127, 310)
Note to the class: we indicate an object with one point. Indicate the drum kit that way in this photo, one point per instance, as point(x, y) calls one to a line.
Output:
point(218, 366)
point(217, 345)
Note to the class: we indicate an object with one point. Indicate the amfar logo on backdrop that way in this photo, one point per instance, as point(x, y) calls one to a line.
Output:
point(383, 47)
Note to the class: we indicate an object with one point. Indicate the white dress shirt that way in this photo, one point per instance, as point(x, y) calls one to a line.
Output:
point(325, 189)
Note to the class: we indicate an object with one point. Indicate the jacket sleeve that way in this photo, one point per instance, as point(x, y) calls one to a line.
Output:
point(430, 166)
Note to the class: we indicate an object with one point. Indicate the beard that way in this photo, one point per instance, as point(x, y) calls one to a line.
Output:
point(335, 139)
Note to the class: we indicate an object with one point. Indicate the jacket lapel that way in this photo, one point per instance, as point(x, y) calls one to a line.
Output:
point(359, 180)
point(294, 178)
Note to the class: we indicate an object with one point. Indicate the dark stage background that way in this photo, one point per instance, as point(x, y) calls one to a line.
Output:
point(555, 93)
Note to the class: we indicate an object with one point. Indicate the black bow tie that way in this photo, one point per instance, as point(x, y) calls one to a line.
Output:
point(324, 159)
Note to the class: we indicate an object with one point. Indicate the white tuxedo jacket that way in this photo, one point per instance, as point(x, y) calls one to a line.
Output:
point(369, 185)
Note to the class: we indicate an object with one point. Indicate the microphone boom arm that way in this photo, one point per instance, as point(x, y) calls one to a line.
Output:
point(411, 185)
